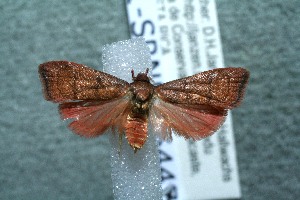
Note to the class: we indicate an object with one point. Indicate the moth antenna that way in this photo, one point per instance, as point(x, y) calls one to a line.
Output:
point(132, 74)
point(150, 78)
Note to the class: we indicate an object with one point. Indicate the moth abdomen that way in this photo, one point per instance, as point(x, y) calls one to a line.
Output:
point(136, 130)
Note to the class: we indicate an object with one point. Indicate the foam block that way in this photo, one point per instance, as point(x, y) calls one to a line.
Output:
point(134, 175)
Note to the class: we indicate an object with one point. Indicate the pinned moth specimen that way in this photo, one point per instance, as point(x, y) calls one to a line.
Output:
point(193, 107)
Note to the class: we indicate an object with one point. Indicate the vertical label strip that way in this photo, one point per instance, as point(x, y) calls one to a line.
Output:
point(184, 39)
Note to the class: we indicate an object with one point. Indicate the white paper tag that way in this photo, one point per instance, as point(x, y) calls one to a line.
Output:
point(184, 39)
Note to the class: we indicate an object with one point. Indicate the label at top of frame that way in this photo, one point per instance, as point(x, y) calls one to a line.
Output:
point(184, 39)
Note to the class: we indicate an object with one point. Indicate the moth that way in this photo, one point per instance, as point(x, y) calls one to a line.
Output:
point(193, 107)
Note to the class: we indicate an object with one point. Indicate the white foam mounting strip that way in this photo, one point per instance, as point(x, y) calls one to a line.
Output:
point(134, 175)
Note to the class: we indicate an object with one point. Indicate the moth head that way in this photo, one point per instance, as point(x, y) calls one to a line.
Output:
point(141, 76)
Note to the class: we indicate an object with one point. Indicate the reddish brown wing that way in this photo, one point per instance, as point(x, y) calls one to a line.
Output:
point(94, 99)
point(94, 118)
point(223, 87)
point(194, 122)
point(196, 106)
point(68, 81)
